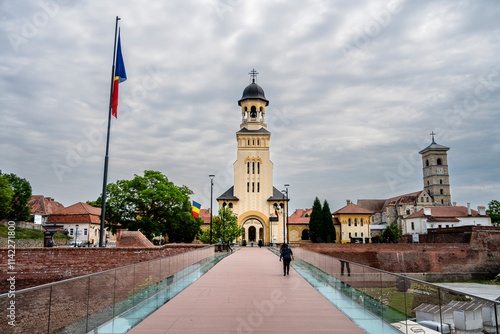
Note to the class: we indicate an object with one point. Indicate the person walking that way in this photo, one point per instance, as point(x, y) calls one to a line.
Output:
point(287, 256)
point(220, 245)
point(229, 246)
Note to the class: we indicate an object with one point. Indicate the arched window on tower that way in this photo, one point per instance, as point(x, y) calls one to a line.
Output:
point(224, 204)
point(253, 167)
point(442, 201)
point(258, 186)
point(427, 163)
point(440, 181)
point(253, 112)
point(258, 167)
point(248, 187)
point(439, 161)
point(441, 191)
point(230, 205)
point(248, 167)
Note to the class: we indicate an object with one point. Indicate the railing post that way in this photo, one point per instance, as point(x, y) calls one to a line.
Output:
point(50, 306)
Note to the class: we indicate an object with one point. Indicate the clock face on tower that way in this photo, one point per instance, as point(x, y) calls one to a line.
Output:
point(440, 170)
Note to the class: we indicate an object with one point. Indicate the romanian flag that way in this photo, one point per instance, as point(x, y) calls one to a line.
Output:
point(220, 216)
point(120, 76)
point(196, 209)
point(276, 210)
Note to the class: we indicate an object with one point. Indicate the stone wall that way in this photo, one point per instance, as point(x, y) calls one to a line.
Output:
point(37, 266)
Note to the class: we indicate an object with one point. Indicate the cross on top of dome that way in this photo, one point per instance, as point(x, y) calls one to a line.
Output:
point(253, 73)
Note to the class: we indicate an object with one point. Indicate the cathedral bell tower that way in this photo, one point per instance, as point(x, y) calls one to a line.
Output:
point(253, 197)
point(436, 175)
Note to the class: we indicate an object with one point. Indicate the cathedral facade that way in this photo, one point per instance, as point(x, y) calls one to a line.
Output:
point(258, 204)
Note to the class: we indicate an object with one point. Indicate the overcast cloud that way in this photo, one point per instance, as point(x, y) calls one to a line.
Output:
point(355, 88)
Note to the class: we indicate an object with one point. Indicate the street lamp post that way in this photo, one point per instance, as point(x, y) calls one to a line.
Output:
point(211, 200)
point(283, 208)
point(286, 206)
point(76, 234)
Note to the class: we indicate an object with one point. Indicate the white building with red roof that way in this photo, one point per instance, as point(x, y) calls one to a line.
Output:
point(445, 217)
point(81, 220)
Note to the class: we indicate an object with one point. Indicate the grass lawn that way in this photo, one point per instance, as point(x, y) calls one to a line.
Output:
point(24, 233)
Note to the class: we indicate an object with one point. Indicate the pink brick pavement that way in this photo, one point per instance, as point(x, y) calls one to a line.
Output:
point(247, 293)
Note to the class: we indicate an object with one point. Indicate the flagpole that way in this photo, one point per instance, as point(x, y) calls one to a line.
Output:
point(106, 158)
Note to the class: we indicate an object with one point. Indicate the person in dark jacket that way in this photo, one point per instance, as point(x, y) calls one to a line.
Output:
point(287, 256)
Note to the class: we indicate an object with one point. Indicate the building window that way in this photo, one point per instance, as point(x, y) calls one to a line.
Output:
point(95, 232)
point(258, 186)
point(248, 187)
point(253, 167)
point(258, 167)
point(70, 231)
point(355, 221)
point(349, 234)
point(248, 167)
point(84, 231)
point(439, 226)
point(361, 222)
point(427, 163)
point(439, 161)
point(349, 223)
point(407, 212)
point(248, 142)
point(356, 234)
point(253, 142)
point(440, 181)
point(412, 225)
point(230, 205)
point(441, 191)
point(253, 186)
point(428, 199)
point(362, 234)
point(253, 112)
point(224, 204)
point(258, 142)
point(442, 201)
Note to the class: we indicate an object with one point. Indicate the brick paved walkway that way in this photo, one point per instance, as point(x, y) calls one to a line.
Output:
point(247, 293)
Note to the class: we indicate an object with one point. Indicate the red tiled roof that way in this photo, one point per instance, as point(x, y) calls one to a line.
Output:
point(446, 212)
point(353, 208)
point(379, 205)
point(205, 215)
point(77, 213)
point(43, 206)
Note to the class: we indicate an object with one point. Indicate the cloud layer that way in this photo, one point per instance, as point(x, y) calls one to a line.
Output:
point(354, 90)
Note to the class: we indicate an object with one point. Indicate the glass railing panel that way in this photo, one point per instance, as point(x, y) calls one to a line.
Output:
point(393, 308)
point(124, 290)
point(69, 306)
point(29, 312)
point(143, 282)
point(101, 299)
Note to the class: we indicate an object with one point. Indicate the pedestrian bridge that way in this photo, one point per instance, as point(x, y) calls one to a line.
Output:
point(240, 292)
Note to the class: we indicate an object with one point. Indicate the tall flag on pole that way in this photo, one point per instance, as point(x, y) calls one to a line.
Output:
point(196, 209)
point(220, 216)
point(120, 76)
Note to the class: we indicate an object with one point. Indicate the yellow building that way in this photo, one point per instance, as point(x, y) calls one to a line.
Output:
point(253, 198)
point(352, 224)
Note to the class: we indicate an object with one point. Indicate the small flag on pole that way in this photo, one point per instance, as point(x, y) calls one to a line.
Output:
point(276, 210)
point(120, 76)
point(220, 216)
point(196, 209)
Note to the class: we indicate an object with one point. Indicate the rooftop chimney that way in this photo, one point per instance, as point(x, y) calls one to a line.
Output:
point(427, 211)
point(348, 201)
point(481, 210)
point(469, 212)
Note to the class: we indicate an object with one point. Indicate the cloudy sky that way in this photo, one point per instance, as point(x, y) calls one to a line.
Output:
point(355, 88)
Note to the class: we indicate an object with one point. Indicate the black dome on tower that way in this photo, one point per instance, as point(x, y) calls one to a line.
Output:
point(253, 91)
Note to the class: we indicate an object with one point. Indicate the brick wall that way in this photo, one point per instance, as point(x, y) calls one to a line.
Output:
point(37, 266)
point(417, 258)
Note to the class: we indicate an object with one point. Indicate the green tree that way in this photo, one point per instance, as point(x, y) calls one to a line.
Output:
point(315, 222)
point(184, 227)
point(226, 229)
point(6, 194)
point(391, 233)
point(17, 209)
point(151, 204)
point(328, 229)
point(494, 212)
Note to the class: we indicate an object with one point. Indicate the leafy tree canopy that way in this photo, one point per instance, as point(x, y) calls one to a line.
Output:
point(494, 212)
point(153, 205)
point(17, 208)
point(226, 229)
point(391, 233)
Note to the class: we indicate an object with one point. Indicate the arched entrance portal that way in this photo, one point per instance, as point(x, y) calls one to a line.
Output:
point(254, 230)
